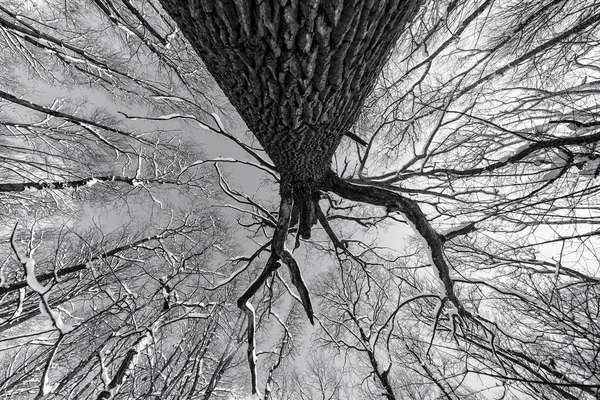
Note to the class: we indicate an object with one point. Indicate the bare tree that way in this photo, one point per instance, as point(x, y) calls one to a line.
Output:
point(110, 246)
point(481, 131)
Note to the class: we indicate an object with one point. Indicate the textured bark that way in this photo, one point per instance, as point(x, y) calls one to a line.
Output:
point(297, 71)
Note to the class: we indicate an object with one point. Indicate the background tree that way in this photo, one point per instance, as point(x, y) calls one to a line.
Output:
point(111, 251)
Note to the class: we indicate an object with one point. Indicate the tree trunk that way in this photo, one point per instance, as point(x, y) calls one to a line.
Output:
point(297, 71)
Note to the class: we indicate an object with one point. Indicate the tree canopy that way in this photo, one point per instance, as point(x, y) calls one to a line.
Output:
point(436, 166)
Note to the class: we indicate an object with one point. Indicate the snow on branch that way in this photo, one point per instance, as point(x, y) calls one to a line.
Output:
point(459, 230)
point(43, 291)
point(220, 130)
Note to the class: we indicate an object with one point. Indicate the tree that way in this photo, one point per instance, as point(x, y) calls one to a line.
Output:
point(110, 246)
point(479, 134)
point(487, 145)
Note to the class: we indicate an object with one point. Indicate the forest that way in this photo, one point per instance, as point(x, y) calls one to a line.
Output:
point(299, 199)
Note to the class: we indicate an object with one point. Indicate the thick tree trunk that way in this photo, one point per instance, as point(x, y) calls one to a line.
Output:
point(298, 71)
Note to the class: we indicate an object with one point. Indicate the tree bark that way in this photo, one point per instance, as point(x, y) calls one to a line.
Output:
point(297, 71)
